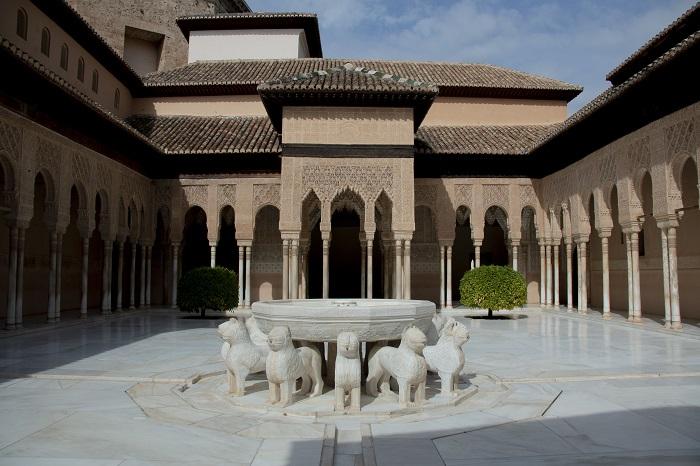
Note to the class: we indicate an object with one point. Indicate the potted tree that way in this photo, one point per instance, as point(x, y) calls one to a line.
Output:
point(492, 287)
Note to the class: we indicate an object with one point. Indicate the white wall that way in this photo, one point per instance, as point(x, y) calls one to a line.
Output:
point(254, 43)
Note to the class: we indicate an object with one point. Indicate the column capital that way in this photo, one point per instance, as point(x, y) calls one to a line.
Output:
point(604, 232)
point(666, 220)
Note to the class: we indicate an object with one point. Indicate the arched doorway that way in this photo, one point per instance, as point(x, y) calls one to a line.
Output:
point(493, 249)
point(687, 243)
point(617, 259)
point(195, 245)
point(160, 272)
point(71, 264)
point(266, 272)
point(227, 247)
point(37, 251)
point(529, 262)
point(425, 257)
point(462, 249)
point(345, 255)
point(650, 263)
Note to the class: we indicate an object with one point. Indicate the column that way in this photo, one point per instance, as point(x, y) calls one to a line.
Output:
point(398, 270)
point(630, 278)
point(363, 266)
point(442, 277)
point(606, 276)
point(120, 273)
point(370, 260)
point(12, 281)
point(149, 250)
point(142, 287)
point(241, 276)
point(20, 277)
point(84, 278)
point(294, 282)
point(543, 293)
point(326, 247)
point(448, 259)
point(569, 278)
point(548, 271)
point(248, 259)
point(555, 258)
point(578, 275)
point(407, 269)
point(174, 259)
point(667, 277)
point(477, 253)
point(52, 277)
point(514, 253)
point(304, 264)
point(212, 254)
point(584, 277)
point(635, 272)
point(107, 278)
point(132, 278)
point(673, 275)
point(386, 256)
point(59, 267)
point(285, 269)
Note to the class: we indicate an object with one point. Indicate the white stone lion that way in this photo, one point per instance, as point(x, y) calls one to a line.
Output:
point(447, 356)
point(285, 364)
point(348, 371)
point(435, 330)
point(241, 356)
point(405, 364)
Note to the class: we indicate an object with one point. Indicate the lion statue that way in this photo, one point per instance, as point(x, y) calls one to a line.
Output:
point(447, 357)
point(348, 371)
point(240, 354)
point(285, 364)
point(405, 364)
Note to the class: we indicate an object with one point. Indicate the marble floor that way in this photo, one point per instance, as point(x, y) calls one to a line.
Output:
point(554, 388)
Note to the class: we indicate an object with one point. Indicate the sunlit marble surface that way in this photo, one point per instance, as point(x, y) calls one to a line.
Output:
point(580, 390)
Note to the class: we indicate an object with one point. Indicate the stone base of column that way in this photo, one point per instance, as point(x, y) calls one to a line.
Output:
point(83, 316)
point(106, 313)
point(607, 316)
point(131, 308)
point(634, 319)
point(10, 326)
point(582, 311)
point(676, 325)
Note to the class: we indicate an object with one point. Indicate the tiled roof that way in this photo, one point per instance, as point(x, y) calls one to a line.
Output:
point(243, 76)
point(482, 140)
point(209, 135)
point(683, 26)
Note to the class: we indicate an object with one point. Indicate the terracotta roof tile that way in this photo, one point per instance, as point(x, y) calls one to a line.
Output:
point(482, 140)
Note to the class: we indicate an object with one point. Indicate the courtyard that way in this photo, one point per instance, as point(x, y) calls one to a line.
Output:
point(553, 388)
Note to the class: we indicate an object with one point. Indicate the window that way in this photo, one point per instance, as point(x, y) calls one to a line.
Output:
point(45, 42)
point(81, 69)
point(22, 23)
point(117, 95)
point(95, 81)
point(64, 57)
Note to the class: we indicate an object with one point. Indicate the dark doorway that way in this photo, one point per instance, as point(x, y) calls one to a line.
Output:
point(345, 261)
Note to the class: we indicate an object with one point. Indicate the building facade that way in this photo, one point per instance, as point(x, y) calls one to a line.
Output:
point(317, 177)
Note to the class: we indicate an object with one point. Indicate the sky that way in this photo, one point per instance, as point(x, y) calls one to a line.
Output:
point(577, 41)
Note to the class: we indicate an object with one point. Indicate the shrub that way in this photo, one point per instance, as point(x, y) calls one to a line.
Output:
point(207, 288)
point(492, 287)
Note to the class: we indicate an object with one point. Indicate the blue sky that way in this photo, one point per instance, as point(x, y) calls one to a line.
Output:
point(577, 41)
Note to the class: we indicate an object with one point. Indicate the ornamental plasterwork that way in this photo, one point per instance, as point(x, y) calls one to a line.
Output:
point(162, 196)
point(81, 167)
point(10, 140)
point(527, 196)
point(195, 195)
point(48, 156)
point(607, 167)
point(463, 195)
point(495, 194)
point(368, 181)
point(639, 154)
point(679, 137)
point(226, 195)
point(267, 244)
point(266, 194)
point(496, 214)
point(426, 195)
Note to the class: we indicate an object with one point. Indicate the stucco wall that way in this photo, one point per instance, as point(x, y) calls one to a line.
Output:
point(448, 111)
point(247, 44)
point(225, 105)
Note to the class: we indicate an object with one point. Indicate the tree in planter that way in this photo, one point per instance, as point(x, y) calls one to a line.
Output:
point(492, 287)
point(207, 288)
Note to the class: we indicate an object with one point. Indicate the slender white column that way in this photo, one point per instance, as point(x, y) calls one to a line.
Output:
point(304, 265)
point(84, 278)
point(514, 253)
point(248, 261)
point(149, 250)
point(386, 256)
point(407, 269)
point(630, 277)
point(548, 271)
point(212, 254)
point(59, 267)
point(578, 277)
point(12, 281)
point(20, 277)
point(667, 278)
point(326, 247)
point(442, 277)
point(120, 273)
point(285, 269)
point(363, 268)
point(673, 275)
point(569, 278)
point(584, 277)
point(175, 248)
point(398, 271)
point(294, 282)
point(635, 273)
point(606, 276)
point(132, 278)
point(555, 258)
point(241, 276)
point(477, 254)
point(52, 277)
point(543, 292)
point(370, 260)
point(107, 278)
point(448, 259)
point(142, 286)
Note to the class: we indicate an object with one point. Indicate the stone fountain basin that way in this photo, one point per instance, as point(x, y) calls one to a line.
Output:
point(323, 319)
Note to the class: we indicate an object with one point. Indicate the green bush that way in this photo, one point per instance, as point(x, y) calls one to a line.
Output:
point(492, 287)
point(207, 288)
